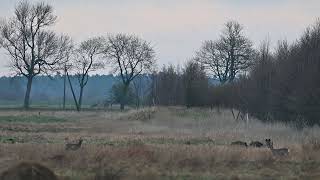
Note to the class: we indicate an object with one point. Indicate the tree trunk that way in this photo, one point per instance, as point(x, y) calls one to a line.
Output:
point(27, 95)
point(122, 106)
point(73, 94)
point(138, 102)
point(124, 97)
point(80, 98)
point(64, 87)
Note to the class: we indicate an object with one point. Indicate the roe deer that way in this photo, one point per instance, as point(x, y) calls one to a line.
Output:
point(256, 144)
point(28, 171)
point(74, 146)
point(239, 143)
point(277, 152)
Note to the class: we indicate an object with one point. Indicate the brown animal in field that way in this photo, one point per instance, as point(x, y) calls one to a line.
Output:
point(277, 152)
point(28, 171)
point(58, 157)
point(256, 144)
point(239, 143)
point(74, 146)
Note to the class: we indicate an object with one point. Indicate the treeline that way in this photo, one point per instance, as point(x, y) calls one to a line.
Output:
point(166, 87)
point(224, 59)
point(280, 84)
point(184, 86)
point(283, 85)
point(34, 49)
point(272, 85)
point(49, 90)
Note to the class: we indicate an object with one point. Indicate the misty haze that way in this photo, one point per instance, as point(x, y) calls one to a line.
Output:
point(173, 90)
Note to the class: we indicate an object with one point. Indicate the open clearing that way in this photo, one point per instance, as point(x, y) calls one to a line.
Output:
point(155, 143)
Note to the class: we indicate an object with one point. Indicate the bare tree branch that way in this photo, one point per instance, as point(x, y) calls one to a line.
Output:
point(129, 56)
point(229, 56)
point(85, 60)
point(32, 47)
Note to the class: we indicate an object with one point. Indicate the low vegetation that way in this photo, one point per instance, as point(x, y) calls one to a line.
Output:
point(174, 143)
point(31, 119)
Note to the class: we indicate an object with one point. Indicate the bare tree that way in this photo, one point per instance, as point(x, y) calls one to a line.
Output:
point(86, 59)
point(64, 68)
point(33, 49)
point(129, 56)
point(208, 56)
point(230, 55)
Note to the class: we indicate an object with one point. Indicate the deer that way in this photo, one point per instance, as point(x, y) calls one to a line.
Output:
point(256, 144)
point(239, 143)
point(277, 152)
point(74, 146)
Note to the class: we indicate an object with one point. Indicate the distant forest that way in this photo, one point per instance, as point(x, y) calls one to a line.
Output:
point(49, 90)
point(271, 84)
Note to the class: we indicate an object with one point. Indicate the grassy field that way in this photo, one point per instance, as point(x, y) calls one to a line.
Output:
point(158, 143)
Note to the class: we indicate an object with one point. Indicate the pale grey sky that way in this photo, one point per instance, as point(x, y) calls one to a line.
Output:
point(176, 28)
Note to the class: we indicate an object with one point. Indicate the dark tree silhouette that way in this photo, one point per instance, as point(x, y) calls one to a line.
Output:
point(129, 56)
point(33, 48)
point(85, 60)
point(283, 85)
point(196, 84)
point(230, 55)
point(116, 94)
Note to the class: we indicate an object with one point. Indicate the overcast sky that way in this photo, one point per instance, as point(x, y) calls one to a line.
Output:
point(176, 28)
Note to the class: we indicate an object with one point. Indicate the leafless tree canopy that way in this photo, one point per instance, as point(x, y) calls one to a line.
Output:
point(86, 59)
point(32, 47)
point(129, 56)
point(230, 55)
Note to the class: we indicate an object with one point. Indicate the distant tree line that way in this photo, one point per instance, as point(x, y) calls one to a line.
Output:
point(50, 90)
point(35, 50)
point(185, 87)
point(273, 85)
point(283, 85)
point(224, 59)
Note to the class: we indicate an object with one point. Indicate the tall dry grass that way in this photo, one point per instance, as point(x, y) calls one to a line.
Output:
point(161, 143)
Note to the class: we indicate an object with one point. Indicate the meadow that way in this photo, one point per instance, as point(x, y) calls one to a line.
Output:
point(171, 143)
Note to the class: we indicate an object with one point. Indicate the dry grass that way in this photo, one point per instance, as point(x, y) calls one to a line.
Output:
point(162, 143)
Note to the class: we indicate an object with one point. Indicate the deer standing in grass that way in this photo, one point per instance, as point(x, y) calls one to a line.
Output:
point(277, 152)
point(256, 144)
point(239, 143)
point(74, 146)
